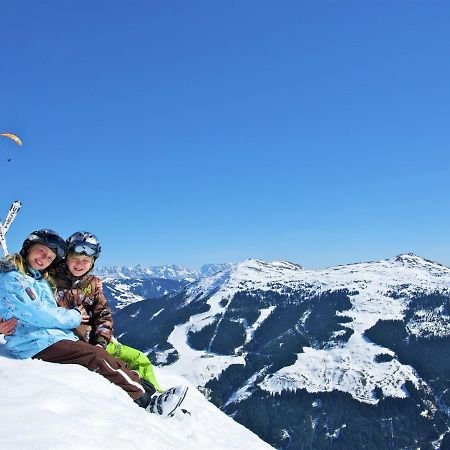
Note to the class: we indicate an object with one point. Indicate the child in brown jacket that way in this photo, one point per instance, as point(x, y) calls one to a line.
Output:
point(77, 286)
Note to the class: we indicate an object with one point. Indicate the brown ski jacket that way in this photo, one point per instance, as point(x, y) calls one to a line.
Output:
point(87, 291)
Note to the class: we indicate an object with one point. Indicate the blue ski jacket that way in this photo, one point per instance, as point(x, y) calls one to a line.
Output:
point(41, 322)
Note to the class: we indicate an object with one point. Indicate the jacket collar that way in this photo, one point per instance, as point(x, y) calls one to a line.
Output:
point(7, 265)
point(33, 273)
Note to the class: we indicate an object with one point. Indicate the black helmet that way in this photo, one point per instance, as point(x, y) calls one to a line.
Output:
point(84, 243)
point(50, 239)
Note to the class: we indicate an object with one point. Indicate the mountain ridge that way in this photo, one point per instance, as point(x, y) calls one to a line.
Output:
point(167, 272)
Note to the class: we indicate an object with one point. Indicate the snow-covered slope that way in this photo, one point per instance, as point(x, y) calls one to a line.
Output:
point(350, 366)
point(52, 407)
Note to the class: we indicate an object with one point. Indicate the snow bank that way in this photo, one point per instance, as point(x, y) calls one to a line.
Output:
point(52, 406)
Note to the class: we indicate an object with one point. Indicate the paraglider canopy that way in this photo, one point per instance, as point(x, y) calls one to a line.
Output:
point(13, 137)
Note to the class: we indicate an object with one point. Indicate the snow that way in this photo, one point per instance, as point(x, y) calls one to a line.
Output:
point(348, 366)
point(246, 391)
point(123, 294)
point(196, 365)
point(263, 315)
point(352, 367)
point(52, 406)
point(155, 315)
point(432, 322)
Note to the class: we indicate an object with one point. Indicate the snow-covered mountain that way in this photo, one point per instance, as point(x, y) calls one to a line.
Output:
point(123, 291)
point(342, 348)
point(55, 406)
point(126, 285)
point(167, 272)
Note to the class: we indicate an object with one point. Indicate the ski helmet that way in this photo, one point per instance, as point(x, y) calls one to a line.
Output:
point(50, 239)
point(84, 243)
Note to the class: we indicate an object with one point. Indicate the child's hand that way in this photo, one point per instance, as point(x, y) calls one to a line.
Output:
point(84, 314)
point(8, 327)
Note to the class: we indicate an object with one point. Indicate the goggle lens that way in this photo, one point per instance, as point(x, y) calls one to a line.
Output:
point(84, 249)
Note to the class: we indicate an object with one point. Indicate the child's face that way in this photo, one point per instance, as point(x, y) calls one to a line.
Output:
point(79, 264)
point(39, 257)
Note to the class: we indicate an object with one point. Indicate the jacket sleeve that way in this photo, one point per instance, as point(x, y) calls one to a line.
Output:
point(66, 299)
point(102, 321)
point(19, 304)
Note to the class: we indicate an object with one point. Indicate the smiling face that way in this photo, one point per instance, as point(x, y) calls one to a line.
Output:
point(39, 257)
point(79, 265)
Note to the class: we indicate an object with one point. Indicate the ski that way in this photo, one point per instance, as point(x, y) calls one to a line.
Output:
point(3, 241)
point(12, 213)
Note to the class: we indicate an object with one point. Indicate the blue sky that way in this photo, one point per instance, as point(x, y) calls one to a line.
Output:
point(215, 131)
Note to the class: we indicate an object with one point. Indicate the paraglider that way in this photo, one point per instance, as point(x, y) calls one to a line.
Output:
point(15, 138)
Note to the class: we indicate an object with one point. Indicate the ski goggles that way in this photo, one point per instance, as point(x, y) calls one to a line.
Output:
point(50, 240)
point(84, 249)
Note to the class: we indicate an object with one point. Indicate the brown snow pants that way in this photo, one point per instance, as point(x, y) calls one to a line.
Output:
point(95, 359)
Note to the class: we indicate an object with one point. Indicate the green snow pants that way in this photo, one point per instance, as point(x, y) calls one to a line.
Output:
point(136, 360)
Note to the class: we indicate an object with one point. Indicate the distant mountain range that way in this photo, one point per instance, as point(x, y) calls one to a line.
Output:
point(354, 356)
point(167, 272)
point(125, 285)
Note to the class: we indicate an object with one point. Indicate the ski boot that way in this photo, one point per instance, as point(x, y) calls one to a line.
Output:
point(165, 404)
